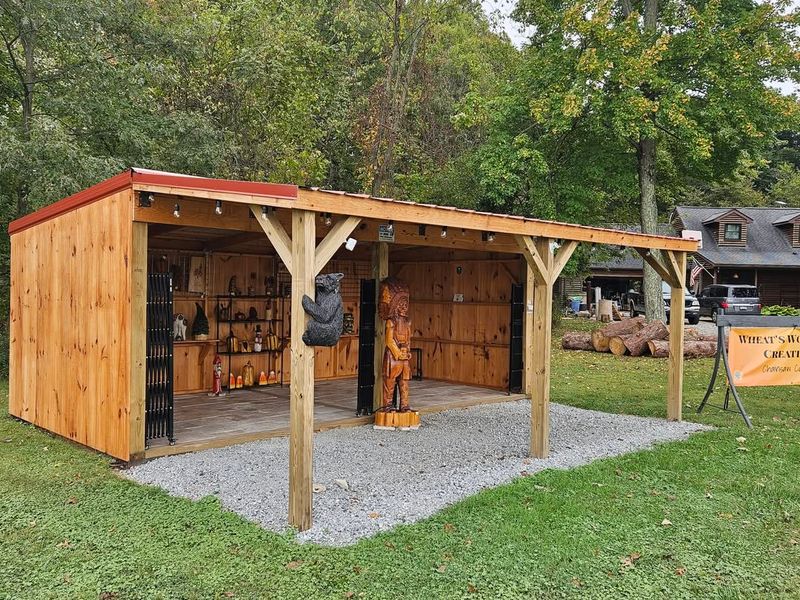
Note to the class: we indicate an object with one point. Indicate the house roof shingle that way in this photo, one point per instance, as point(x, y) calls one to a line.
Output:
point(768, 244)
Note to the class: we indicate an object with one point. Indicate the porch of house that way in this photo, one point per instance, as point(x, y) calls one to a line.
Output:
point(203, 421)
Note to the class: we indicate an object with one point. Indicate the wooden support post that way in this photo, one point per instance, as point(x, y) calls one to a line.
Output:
point(301, 390)
point(138, 333)
point(528, 329)
point(540, 349)
point(380, 270)
point(677, 311)
point(543, 270)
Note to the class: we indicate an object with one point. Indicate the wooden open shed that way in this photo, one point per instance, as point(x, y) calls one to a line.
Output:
point(87, 277)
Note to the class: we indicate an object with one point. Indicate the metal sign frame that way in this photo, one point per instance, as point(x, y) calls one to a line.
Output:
point(726, 321)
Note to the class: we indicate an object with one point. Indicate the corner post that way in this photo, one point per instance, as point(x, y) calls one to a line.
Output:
point(380, 270)
point(138, 331)
point(301, 388)
point(528, 328)
point(677, 312)
point(540, 351)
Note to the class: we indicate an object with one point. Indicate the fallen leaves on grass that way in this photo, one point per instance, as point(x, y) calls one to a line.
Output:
point(666, 523)
point(449, 528)
point(471, 589)
point(680, 571)
point(628, 561)
point(294, 564)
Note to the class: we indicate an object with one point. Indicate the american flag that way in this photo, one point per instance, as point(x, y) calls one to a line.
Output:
point(695, 273)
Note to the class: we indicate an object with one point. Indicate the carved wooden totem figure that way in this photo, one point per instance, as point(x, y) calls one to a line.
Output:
point(393, 308)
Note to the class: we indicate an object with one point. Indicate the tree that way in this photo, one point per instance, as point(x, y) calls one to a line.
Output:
point(681, 78)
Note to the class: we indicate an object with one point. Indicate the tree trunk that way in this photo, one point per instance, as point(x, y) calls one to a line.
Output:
point(602, 336)
point(653, 298)
point(691, 348)
point(618, 344)
point(646, 158)
point(576, 340)
point(636, 343)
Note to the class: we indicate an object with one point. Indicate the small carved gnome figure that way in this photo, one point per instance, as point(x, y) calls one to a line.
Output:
point(216, 388)
point(393, 308)
point(258, 342)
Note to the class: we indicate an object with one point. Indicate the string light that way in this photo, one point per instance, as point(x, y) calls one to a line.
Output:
point(218, 207)
point(326, 218)
point(177, 211)
point(422, 229)
point(264, 212)
point(390, 227)
point(444, 232)
point(490, 236)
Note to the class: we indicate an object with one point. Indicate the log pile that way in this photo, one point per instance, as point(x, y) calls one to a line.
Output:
point(635, 337)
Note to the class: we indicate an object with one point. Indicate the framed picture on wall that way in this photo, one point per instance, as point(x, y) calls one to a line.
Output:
point(197, 274)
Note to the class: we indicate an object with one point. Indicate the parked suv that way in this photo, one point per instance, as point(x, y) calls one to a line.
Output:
point(733, 299)
point(636, 303)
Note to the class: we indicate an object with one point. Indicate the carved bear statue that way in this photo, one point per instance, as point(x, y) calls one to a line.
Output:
point(325, 326)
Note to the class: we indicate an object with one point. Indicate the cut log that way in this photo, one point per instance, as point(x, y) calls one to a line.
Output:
point(615, 313)
point(617, 344)
point(636, 343)
point(601, 337)
point(692, 334)
point(691, 348)
point(577, 340)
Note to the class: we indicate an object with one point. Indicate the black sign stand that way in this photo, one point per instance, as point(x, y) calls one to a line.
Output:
point(724, 321)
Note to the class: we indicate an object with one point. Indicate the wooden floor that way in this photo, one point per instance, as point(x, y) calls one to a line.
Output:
point(203, 421)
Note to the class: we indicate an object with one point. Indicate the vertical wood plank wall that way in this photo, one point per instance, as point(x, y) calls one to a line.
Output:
point(463, 342)
point(70, 324)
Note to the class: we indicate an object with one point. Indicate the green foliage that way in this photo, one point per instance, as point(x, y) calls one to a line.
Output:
point(780, 311)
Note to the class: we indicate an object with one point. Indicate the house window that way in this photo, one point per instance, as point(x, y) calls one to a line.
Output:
point(733, 232)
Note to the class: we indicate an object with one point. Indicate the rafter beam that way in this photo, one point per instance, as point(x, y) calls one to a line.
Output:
point(673, 266)
point(337, 236)
point(562, 258)
point(533, 257)
point(276, 234)
point(657, 265)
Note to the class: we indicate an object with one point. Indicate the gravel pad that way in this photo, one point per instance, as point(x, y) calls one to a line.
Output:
point(386, 478)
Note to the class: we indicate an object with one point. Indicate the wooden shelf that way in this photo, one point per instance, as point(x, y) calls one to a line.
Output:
point(251, 320)
point(246, 297)
point(459, 342)
point(263, 352)
point(479, 303)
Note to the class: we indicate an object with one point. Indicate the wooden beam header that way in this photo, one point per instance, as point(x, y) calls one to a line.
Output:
point(385, 209)
point(350, 205)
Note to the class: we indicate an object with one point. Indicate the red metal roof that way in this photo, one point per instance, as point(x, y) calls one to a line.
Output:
point(127, 178)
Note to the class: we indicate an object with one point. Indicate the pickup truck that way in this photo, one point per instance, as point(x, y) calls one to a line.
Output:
point(636, 304)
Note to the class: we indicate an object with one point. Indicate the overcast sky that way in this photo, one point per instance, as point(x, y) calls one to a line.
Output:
point(501, 9)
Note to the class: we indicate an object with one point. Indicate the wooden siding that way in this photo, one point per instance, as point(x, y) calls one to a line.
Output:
point(796, 233)
point(70, 324)
point(777, 286)
point(465, 342)
point(735, 219)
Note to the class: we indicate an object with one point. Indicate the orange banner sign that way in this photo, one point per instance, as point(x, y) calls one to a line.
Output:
point(764, 356)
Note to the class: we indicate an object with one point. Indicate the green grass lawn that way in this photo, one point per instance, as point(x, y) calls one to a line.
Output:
point(70, 527)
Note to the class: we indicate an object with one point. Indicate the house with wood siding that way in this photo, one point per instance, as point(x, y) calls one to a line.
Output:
point(756, 245)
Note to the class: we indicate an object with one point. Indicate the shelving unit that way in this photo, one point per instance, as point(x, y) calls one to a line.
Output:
point(274, 357)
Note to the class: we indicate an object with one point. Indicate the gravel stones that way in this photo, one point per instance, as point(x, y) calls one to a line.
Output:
point(396, 477)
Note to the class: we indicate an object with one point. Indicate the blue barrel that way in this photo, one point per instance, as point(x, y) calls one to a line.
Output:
point(576, 305)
